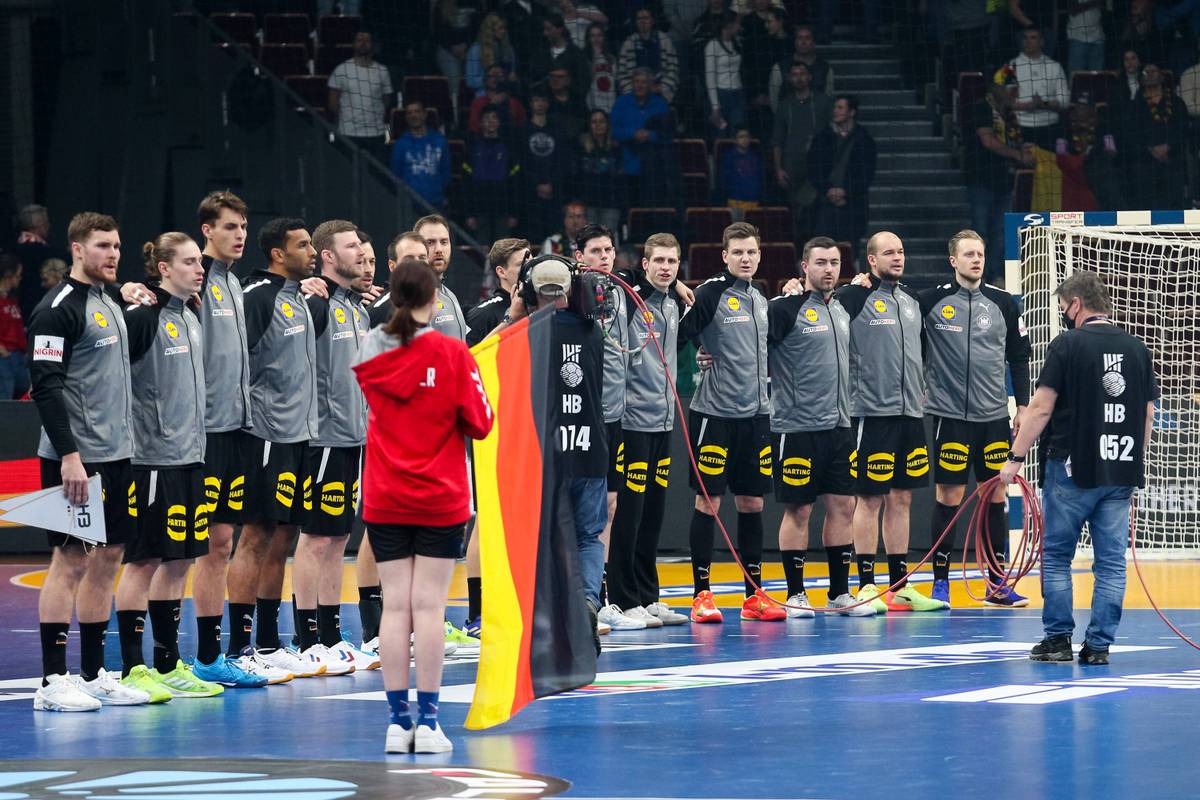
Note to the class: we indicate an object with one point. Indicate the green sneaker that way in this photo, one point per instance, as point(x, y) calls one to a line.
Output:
point(870, 591)
point(180, 682)
point(909, 599)
point(463, 642)
point(141, 677)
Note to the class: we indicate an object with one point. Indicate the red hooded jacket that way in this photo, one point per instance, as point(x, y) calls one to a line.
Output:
point(423, 398)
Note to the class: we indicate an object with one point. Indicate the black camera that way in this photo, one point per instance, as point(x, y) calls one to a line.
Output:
point(590, 293)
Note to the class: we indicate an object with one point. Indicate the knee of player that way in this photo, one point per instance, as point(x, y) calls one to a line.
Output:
point(747, 504)
point(70, 562)
point(899, 498)
point(869, 502)
point(710, 506)
point(838, 505)
point(952, 495)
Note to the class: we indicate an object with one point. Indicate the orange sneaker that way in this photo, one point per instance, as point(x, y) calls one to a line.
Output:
point(704, 609)
point(759, 606)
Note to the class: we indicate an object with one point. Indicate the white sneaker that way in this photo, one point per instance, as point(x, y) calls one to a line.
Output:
point(666, 614)
point(109, 691)
point(293, 663)
point(371, 647)
point(430, 740)
point(612, 616)
point(844, 601)
point(804, 611)
point(250, 663)
point(399, 740)
point(62, 694)
point(336, 663)
point(602, 628)
point(640, 613)
point(360, 660)
point(447, 650)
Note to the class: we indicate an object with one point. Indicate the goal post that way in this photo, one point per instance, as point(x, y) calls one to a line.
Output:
point(1150, 262)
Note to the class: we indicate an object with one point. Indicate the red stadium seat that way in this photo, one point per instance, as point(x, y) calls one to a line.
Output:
point(693, 155)
point(706, 225)
point(330, 55)
point(778, 261)
point(774, 223)
point(646, 221)
point(313, 90)
point(240, 27)
point(704, 261)
point(286, 29)
point(337, 29)
point(432, 90)
point(696, 191)
point(285, 59)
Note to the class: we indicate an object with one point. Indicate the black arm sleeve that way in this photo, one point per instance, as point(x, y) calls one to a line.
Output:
point(701, 313)
point(259, 303)
point(781, 317)
point(52, 335)
point(318, 309)
point(142, 324)
point(1017, 349)
point(852, 298)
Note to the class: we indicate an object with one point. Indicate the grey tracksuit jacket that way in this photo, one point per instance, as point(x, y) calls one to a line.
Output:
point(449, 318)
point(886, 372)
point(340, 324)
point(226, 361)
point(616, 360)
point(649, 402)
point(808, 343)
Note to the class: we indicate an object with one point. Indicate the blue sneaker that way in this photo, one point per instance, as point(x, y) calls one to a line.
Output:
point(1006, 598)
point(227, 673)
point(941, 591)
point(471, 627)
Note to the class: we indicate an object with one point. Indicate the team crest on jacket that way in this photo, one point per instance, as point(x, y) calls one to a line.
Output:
point(101, 320)
point(880, 306)
point(948, 312)
point(985, 322)
point(811, 315)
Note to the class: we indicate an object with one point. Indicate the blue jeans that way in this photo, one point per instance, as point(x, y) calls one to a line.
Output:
point(1106, 510)
point(14, 376)
point(988, 207)
point(1084, 55)
point(589, 507)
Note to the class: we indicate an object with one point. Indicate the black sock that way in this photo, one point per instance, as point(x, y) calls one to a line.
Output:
point(839, 569)
point(306, 627)
point(866, 569)
point(700, 539)
point(130, 625)
point(208, 639)
point(750, 543)
point(942, 514)
point(998, 534)
point(370, 608)
point(165, 625)
point(54, 648)
point(604, 587)
point(474, 598)
point(793, 570)
point(241, 623)
point(267, 635)
point(91, 647)
point(897, 570)
point(329, 624)
point(296, 624)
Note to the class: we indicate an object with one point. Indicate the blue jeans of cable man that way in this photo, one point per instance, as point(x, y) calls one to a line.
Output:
point(1066, 508)
point(589, 504)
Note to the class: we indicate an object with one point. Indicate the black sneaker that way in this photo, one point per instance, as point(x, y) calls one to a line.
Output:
point(1052, 648)
point(1095, 658)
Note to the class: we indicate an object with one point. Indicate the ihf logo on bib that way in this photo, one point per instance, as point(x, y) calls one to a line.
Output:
point(1112, 380)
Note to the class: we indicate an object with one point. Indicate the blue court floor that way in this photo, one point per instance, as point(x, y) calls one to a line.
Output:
point(925, 706)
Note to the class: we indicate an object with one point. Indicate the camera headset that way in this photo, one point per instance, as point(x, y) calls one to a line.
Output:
point(525, 289)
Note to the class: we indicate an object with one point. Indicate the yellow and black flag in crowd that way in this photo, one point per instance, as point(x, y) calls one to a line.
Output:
point(537, 636)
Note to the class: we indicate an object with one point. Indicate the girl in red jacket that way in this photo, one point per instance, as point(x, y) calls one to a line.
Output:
point(424, 394)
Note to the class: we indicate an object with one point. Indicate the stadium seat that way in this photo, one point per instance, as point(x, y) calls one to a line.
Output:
point(774, 223)
point(704, 261)
point(646, 221)
point(432, 90)
point(1022, 197)
point(229, 48)
point(311, 88)
point(239, 26)
point(693, 156)
point(285, 59)
point(330, 55)
point(286, 29)
point(778, 261)
point(337, 29)
point(1097, 85)
point(696, 191)
point(706, 225)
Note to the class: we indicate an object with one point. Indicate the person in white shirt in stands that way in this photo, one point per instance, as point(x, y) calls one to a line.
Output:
point(361, 97)
point(723, 77)
point(1042, 92)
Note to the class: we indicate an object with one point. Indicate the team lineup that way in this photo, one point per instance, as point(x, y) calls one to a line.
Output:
point(207, 403)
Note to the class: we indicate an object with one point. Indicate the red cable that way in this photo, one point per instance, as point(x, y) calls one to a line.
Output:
point(1138, 569)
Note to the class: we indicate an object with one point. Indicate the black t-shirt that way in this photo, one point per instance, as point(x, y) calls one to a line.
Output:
point(981, 166)
point(577, 357)
point(1104, 379)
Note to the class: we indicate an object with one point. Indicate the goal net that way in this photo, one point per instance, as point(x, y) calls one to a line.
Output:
point(1153, 275)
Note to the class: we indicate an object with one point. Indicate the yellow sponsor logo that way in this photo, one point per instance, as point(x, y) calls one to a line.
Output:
point(734, 304)
point(712, 459)
point(171, 330)
point(619, 464)
point(764, 461)
point(635, 476)
point(648, 316)
point(200, 526)
point(854, 465)
point(101, 320)
point(287, 310)
point(333, 498)
point(796, 471)
point(356, 317)
point(441, 305)
point(308, 493)
point(177, 519)
point(811, 315)
point(354, 495)
point(662, 472)
point(132, 501)
point(340, 316)
point(237, 492)
point(215, 291)
point(285, 489)
point(212, 491)
point(948, 312)
point(917, 463)
point(880, 306)
point(995, 455)
point(881, 467)
point(952, 456)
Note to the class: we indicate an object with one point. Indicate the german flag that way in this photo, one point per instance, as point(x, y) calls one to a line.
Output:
point(537, 637)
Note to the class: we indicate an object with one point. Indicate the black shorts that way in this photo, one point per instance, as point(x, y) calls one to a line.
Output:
point(120, 504)
point(809, 464)
point(647, 461)
point(395, 542)
point(733, 453)
point(616, 455)
point(965, 446)
point(333, 473)
point(226, 458)
point(890, 453)
point(277, 488)
point(172, 514)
